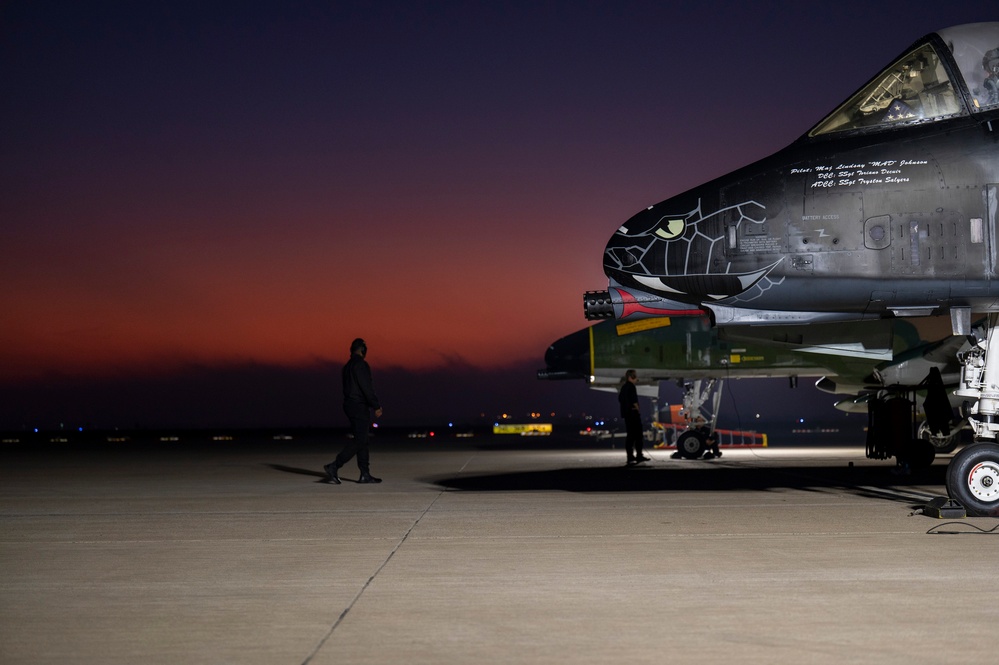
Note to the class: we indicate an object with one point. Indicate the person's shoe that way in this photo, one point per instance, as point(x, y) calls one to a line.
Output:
point(631, 460)
point(331, 472)
point(642, 458)
point(368, 478)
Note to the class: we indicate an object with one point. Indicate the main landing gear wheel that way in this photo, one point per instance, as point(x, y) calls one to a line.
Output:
point(691, 444)
point(973, 479)
point(942, 443)
point(919, 454)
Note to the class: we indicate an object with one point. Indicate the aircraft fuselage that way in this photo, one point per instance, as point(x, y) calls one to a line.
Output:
point(849, 227)
point(887, 216)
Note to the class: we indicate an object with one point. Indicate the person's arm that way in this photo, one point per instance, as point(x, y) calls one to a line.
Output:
point(366, 387)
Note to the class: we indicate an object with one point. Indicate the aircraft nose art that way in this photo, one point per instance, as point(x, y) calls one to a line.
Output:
point(682, 256)
point(705, 286)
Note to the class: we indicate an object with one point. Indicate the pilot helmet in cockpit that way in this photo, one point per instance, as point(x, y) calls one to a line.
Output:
point(991, 84)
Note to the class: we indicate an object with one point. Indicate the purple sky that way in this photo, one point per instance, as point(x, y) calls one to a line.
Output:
point(203, 201)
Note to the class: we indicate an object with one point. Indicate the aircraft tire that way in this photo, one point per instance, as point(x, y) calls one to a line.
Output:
point(942, 444)
point(691, 444)
point(973, 479)
point(920, 454)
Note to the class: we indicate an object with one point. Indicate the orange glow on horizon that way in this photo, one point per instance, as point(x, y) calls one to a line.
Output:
point(154, 306)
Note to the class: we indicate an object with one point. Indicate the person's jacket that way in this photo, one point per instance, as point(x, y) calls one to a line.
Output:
point(628, 397)
point(357, 386)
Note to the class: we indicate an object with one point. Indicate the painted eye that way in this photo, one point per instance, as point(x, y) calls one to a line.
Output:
point(670, 228)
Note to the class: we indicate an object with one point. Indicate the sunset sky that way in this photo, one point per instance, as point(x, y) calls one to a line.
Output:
point(217, 194)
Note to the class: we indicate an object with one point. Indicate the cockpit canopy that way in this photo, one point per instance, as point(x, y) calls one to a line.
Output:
point(950, 73)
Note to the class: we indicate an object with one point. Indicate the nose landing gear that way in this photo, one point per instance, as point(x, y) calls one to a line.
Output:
point(973, 474)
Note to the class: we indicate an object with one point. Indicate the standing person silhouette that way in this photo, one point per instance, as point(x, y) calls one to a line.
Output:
point(358, 400)
point(632, 414)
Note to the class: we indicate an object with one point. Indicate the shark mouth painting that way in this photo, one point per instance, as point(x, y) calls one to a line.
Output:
point(711, 286)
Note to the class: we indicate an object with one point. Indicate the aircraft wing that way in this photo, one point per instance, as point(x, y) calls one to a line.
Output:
point(688, 348)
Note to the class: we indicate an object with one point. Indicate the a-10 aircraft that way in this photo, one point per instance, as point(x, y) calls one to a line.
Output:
point(885, 208)
point(883, 354)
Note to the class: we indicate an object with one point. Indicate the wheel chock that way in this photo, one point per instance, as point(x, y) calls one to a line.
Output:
point(944, 508)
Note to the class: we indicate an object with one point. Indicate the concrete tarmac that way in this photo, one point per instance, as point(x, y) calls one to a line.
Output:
point(483, 551)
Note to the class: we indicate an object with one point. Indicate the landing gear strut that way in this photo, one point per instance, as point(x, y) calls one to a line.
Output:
point(701, 400)
point(980, 383)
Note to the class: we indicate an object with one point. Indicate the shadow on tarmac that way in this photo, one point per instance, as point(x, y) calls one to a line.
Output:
point(297, 470)
point(320, 476)
point(708, 477)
